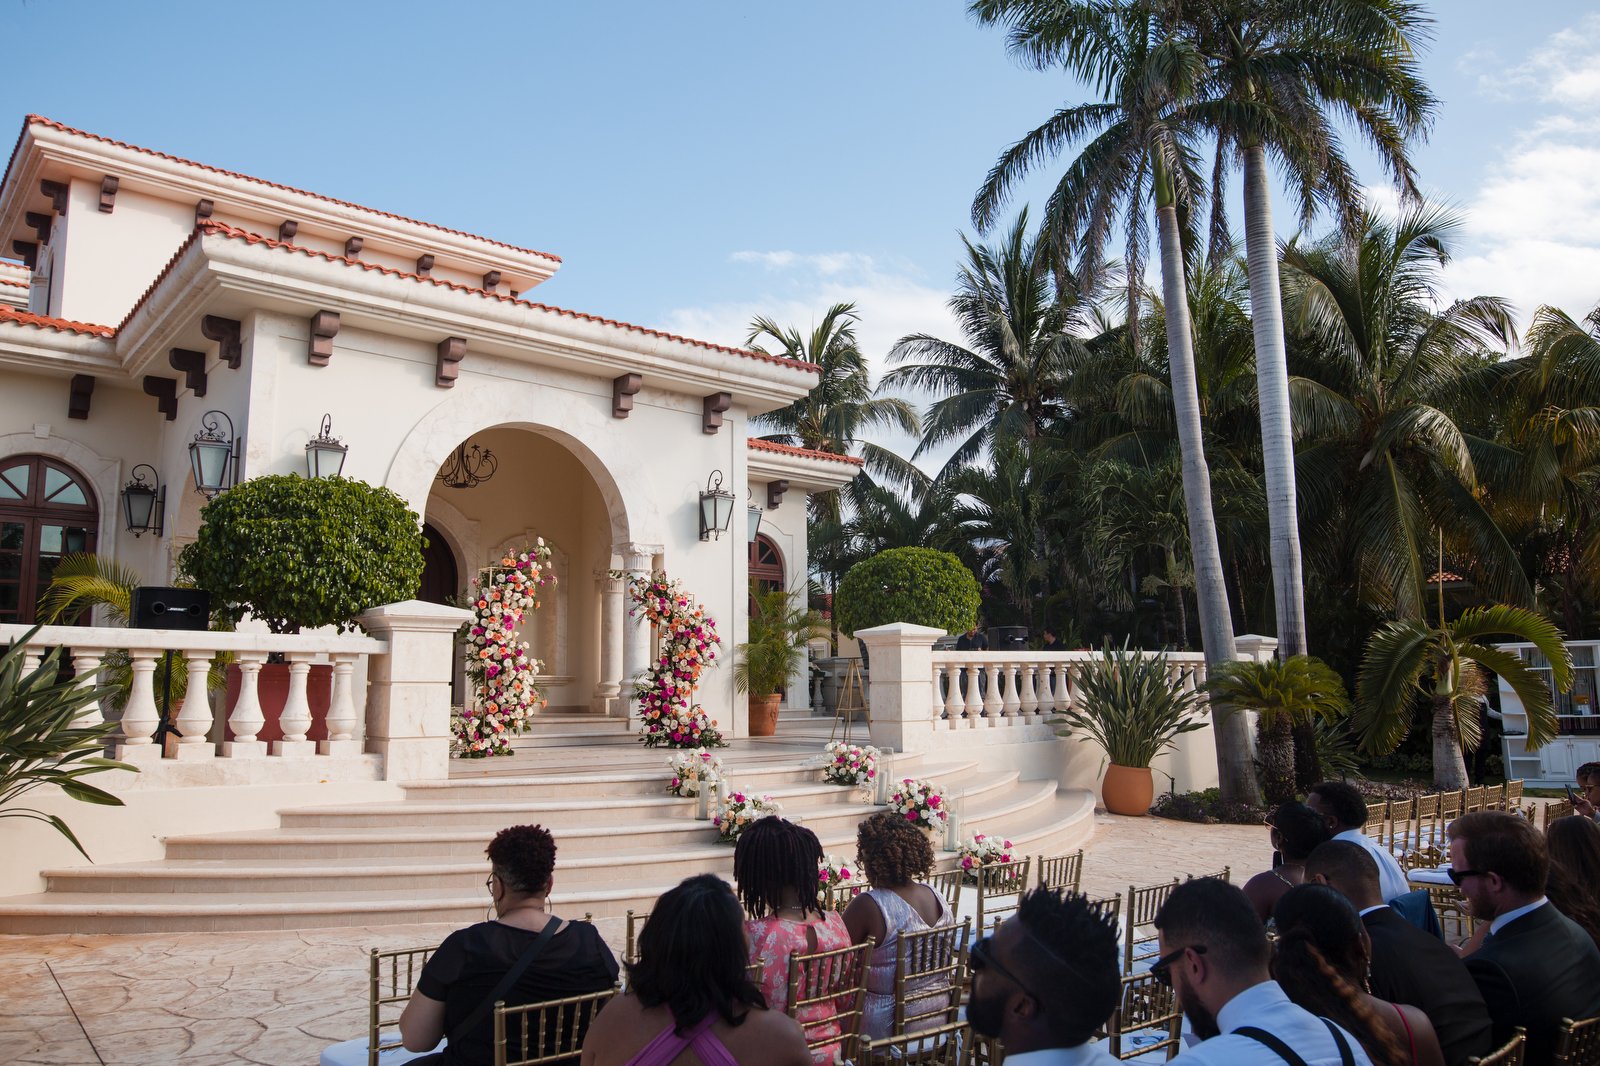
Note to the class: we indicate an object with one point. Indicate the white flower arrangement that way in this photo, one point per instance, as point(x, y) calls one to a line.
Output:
point(919, 802)
point(692, 770)
point(738, 811)
point(833, 874)
point(851, 765)
point(982, 850)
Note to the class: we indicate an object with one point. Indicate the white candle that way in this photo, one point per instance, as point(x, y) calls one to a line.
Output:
point(952, 833)
point(880, 794)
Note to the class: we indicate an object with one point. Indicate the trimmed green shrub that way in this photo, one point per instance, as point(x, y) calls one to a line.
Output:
point(917, 585)
point(299, 552)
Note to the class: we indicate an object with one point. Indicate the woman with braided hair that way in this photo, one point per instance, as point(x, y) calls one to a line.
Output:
point(1321, 962)
point(775, 864)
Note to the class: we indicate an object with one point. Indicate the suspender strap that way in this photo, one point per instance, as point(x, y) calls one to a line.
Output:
point(1287, 1054)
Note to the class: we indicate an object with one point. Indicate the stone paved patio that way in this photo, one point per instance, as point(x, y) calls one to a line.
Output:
point(279, 998)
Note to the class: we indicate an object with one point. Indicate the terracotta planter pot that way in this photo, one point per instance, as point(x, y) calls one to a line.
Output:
point(272, 689)
point(764, 715)
point(1128, 790)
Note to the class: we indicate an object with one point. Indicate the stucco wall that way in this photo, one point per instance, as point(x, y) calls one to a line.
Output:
point(104, 262)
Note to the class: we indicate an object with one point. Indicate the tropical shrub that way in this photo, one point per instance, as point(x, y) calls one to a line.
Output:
point(778, 629)
point(1284, 693)
point(298, 553)
point(1125, 703)
point(917, 585)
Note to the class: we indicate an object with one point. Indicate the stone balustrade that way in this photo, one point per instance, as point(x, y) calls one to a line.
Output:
point(996, 689)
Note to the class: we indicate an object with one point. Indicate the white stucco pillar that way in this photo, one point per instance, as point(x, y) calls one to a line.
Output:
point(408, 707)
point(636, 560)
point(608, 689)
point(901, 692)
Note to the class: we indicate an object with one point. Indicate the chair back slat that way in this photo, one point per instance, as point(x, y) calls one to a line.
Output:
point(948, 1045)
point(1377, 814)
point(1508, 1055)
point(630, 943)
point(1000, 889)
point(1450, 805)
point(391, 977)
point(1111, 907)
point(1578, 1043)
point(930, 967)
point(948, 884)
point(828, 992)
point(1476, 799)
point(535, 1034)
point(838, 897)
point(1060, 871)
point(1147, 1007)
point(1139, 933)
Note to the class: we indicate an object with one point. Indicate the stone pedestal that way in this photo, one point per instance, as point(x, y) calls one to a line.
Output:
point(900, 693)
point(408, 708)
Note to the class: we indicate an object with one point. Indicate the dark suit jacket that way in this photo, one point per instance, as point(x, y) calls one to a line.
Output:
point(1409, 966)
point(1535, 971)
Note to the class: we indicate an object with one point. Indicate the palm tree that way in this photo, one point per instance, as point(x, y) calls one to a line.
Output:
point(1279, 74)
point(1284, 693)
point(1136, 149)
point(1408, 659)
point(1006, 382)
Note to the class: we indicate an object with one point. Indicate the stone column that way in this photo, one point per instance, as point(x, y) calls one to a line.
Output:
point(635, 630)
point(607, 691)
point(902, 690)
point(408, 707)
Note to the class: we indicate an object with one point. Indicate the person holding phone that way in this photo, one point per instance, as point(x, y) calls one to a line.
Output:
point(1586, 800)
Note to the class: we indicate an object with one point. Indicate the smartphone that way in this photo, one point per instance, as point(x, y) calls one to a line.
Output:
point(1570, 797)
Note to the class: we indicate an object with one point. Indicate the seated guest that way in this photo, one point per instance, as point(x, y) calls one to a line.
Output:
point(1587, 802)
point(1321, 962)
point(1046, 980)
point(775, 864)
point(1573, 885)
point(690, 993)
point(1342, 807)
point(1536, 965)
point(894, 854)
point(1295, 829)
point(1408, 965)
point(526, 955)
point(1214, 955)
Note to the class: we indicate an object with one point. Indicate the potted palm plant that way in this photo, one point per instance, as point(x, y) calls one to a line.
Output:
point(1125, 703)
point(776, 650)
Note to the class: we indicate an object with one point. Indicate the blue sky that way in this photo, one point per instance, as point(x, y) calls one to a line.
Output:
point(699, 162)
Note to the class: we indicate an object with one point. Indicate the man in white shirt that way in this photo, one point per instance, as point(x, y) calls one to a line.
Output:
point(1214, 954)
point(1046, 980)
point(1343, 808)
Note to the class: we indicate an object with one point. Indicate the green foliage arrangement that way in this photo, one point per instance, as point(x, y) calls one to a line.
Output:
point(300, 552)
point(43, 740)
point(1124, 702)
point(917, 585)
point(1284, 693)
point(776, 649)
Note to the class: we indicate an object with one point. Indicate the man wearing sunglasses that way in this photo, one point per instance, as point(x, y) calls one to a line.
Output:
point(1214, 955)
point(1536, 966)
point(1047, 978)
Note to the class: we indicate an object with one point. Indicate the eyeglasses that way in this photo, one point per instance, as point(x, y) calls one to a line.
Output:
point(488, 882)
point(981, 958)
point(1459, 876)
point(1162, 969)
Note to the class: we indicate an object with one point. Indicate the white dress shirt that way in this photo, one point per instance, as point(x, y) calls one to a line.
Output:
point(1391, 879)
point(1091, 1053)
point(1265, 1006)
point(1515, 913)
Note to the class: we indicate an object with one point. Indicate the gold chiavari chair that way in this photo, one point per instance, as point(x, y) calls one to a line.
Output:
point(1147, 1007)
point(948, 1045)
point(987, 1051)
point(1578, 1043)
point(1554, 810)
point(1000, 889)
point(1060, 871)
point(1224, 875)
point(1475, 799)
point(536, 1034)
point(930, 968)
point(1509, 1055)
point(838, 897)
point(948, 884)
point(630, 943)
point(1140, 935)
point(1111, 907)
point(1451, 805)
point(1511, 794)
point(836, 979)
point(391, 977)
point(1377, 815)
point(1425, 839)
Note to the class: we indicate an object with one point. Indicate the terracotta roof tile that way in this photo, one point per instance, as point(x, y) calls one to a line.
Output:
point(220, 229)
point(62, 127)
point(14, 281)
point(808, 453)
point(60, 325)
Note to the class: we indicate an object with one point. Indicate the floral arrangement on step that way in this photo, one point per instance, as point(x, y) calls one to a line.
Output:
point(738, 811)
point(920, 802)
point(982, 850)
point(689, 642)
point(498, 665)
point(852, 765)
point(833, 876)
point(693, 770)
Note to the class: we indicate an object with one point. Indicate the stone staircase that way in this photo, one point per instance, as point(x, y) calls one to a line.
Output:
point(621, 840)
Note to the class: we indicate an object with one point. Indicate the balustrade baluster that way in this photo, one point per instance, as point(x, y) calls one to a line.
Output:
point(973, 705)
point(295, 719)
point(247, 719)
point(342, 710)
point(1011, 697)
point(140, 716)
point(1030, 691)
point(952, 695)
point(194, 716)
point(32, 656)
point(991, 697)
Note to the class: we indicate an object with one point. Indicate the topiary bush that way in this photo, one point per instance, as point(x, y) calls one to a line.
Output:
point(299, 552)
point(918, 585)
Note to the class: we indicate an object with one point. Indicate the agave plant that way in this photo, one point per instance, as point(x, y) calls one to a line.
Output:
point(1284, 693)
point(1126, 703)
point(44, 739)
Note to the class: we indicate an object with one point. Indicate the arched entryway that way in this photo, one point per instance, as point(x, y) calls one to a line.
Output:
point(441, 578)
point(47, 510)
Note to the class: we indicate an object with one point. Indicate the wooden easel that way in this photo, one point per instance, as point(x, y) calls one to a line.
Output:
point(852, 698)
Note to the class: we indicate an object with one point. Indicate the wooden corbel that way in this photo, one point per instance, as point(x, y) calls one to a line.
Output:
point(451, 351)
point(491, 280)
point(424, 265)
point(202, 211)
point(352, 247)
point(775, 491)
point(165, 390)
point(26, 251)
point(225, 331)
point(287, 229)
point(57, 191)
point(81, 389)
point(623, 387)
point(193, 365)
point(324, 327)
point(40, 223)
point(711, 410)
point(108, 194)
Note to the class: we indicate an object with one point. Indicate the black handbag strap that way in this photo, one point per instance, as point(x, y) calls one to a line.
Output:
point(1287, 1054)
point(509, 981)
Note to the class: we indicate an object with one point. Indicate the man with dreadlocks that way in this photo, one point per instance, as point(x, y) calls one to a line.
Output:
point(775, 864)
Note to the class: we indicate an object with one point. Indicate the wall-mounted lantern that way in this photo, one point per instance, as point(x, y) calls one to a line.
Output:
point(143, 502)
point(214, 455)
point(325, 453)
point(754, 511)
point(716, 508)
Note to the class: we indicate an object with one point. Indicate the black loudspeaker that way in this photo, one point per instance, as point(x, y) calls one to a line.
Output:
point(169, 608)
point(1008, 638)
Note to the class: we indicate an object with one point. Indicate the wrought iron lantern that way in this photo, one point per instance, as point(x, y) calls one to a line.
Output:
point(214, 455)
point(755, 522)
point(325, 453)
point(716, 508)
point(143, 502)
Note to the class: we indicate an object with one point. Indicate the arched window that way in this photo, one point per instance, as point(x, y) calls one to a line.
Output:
point(766, 564)
point(47, 510)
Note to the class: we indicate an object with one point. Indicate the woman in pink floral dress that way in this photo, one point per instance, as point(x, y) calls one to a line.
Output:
point(775, 864)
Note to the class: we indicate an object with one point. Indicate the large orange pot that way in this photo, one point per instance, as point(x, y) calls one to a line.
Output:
point(1128, 790)
point(764, 714)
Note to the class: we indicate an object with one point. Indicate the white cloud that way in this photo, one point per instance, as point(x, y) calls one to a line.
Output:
point(1564, 70)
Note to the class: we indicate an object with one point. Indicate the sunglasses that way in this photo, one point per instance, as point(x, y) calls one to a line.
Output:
point(1459, 876)
point(1161, 970)
point(982, 957)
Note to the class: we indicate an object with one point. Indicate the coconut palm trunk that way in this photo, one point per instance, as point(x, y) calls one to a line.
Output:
point(1449, 764)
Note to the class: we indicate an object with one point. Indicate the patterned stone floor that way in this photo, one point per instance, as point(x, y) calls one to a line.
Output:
point(279, 998)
